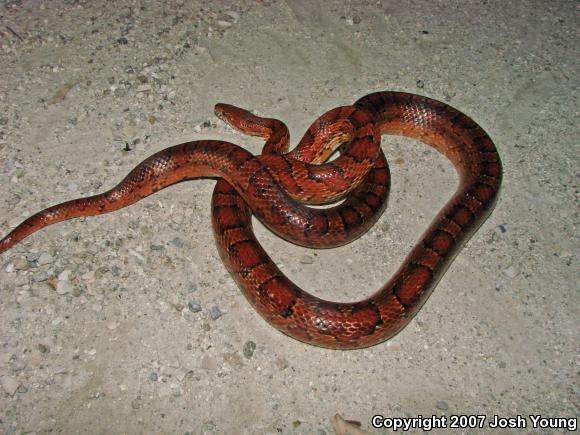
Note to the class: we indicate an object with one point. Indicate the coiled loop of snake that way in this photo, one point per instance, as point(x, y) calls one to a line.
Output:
point(271, 185)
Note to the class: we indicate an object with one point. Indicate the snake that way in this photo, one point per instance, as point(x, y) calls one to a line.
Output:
point(279, 186)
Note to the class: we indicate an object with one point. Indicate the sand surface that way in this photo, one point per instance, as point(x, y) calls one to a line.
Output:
point(129, 322)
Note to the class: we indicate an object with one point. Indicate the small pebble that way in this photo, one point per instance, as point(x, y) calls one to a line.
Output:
point(234, 359)
point(215, 313)
point(155, 247)
point(42, 348)
point(40, 276)
point(306, 259)
point(194, 306)
point(208, 363)
point(249, 348)
point(64, 275)
point(175, 390)
point(144, 88)
point(208, 427)
point(63, 287)
point(281, 363)
point(9, 385)
point(59, 370)
point(511, 272)
point(182, 374)
point(177, 242)
point(21, 264)
point(45, 258)
point(76, 292)
point(153, 376)
point(442, 405)
point(32, 257)
point(57, 321)
point(233, 15)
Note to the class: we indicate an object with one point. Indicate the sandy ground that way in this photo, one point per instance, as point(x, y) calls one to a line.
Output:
point(129, 322)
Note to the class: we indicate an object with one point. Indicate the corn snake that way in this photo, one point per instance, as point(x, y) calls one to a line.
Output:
point(273, 184)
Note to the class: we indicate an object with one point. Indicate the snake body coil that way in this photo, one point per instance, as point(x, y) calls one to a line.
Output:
point(274, 184)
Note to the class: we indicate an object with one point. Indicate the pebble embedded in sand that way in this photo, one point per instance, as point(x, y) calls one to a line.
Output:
point(9, 385)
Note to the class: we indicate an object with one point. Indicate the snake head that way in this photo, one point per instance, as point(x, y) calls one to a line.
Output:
point(232, 115)
point(243, 120)
point(223, 111)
